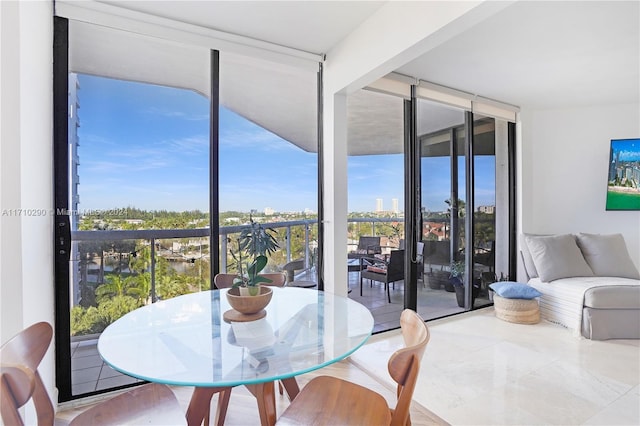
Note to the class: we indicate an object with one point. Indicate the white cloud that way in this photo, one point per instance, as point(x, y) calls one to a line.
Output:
point(176, 114)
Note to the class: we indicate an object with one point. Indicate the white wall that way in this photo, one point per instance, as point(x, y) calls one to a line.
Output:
point(396, 34)
point(564, 160)
point(26, 237)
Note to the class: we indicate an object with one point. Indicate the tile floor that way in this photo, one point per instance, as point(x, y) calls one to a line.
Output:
point(90, 374)
point(479, 370)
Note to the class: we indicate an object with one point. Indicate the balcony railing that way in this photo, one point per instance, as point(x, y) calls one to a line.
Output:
point(147, 265)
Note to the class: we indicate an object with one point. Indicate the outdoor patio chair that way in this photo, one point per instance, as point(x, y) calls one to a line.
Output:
point(420, 260)
point(20, 382)
point(486, 256)
point(291, 268)
point(385, 271)
point(328, 400)
point(306, 281)
point(367, 246)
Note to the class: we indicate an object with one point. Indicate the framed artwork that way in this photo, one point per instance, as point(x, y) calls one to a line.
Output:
point(623, 186)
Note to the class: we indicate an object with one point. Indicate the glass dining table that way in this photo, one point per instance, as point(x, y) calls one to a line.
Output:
point(186, 341)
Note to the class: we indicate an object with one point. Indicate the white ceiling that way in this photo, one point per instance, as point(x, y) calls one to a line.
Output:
point(532, 54)
point(310, 26)
point(544, 55)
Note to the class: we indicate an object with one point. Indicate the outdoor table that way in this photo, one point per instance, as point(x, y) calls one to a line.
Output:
point(185, 341)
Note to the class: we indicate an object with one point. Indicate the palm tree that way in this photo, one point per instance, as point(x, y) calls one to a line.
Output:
point(114, 285)
point(139, 287)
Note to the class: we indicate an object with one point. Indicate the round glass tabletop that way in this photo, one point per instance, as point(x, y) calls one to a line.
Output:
point(186, 341)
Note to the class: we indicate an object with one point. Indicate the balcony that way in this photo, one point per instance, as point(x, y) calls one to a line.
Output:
point(170, 262)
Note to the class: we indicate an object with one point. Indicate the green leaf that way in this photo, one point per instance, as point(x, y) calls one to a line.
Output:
point(260, 263)
point(260, 279)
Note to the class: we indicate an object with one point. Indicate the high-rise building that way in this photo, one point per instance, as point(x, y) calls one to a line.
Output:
point(487, 209)
point(394, 203)
point(74, 181)
point(379, 205)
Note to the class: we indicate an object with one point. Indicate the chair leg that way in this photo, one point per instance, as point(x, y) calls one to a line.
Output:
point(388, 294)
point(290, 385)
point(221, 409)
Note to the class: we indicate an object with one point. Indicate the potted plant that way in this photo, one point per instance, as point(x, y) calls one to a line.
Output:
point(456, 279)
point(254, 243)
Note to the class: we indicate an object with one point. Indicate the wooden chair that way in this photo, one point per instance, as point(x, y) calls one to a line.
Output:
point(278, 279)
point(329, 400)
point(21, 382)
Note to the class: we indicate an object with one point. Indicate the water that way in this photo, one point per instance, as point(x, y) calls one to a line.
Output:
point(623, 201)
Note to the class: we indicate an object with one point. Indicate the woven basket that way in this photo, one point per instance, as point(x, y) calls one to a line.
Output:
point(519, 311)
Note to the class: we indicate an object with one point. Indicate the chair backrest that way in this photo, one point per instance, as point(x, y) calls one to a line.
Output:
point(223, 280)
point(150, 404)
point(404, 364)
point(395, 270)
point(291, 267)
point(278, 279)
point(437, 252)
point(20, 380)
point(371, 244)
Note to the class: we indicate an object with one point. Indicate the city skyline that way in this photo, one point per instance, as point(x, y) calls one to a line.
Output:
point(147, 146)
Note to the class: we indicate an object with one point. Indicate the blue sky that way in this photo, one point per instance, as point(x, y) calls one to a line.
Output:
point(629, 149)
point(146, 146)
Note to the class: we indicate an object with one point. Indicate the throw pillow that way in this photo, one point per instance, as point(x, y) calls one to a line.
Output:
point(607, 255)
point(514, 290)
point(378, 269)
point(527, 260)
point(557, 257)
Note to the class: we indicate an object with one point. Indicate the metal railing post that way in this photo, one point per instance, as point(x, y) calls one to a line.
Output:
point(154, 297)
point(288, 243)
point(306, 245)
point(223, 251)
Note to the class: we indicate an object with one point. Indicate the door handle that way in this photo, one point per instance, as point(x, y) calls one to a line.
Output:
point(63, 237)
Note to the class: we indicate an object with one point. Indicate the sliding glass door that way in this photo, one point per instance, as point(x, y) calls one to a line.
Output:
point(441, 144)
point(457, 220)
point(132, 186)
point(157, 167)
point(466, 205)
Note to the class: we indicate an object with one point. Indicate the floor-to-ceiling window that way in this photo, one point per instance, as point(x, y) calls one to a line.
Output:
point(463, 191)
point(268, 162)
point(143, 135)
point(375, 224)
point(132, 186)
point(441, 137)
point(466, 204)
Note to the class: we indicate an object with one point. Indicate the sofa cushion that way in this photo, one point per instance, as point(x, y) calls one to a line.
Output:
point(613, 297)
point(557, 256)
point(607, 255)
point(527, 260)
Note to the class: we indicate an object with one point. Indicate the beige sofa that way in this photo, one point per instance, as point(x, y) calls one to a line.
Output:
point(589, 284)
